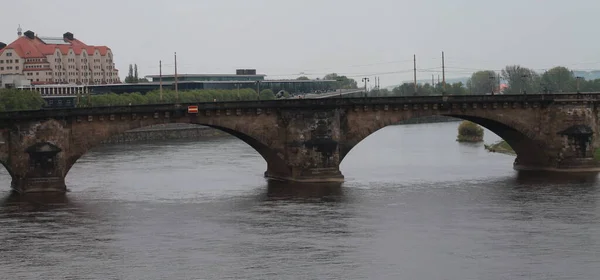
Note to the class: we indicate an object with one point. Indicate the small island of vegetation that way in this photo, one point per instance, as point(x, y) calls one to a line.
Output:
point(500, 147)
point(469, 132)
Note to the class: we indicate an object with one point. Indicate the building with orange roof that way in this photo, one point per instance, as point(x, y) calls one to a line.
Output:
point(57, 60)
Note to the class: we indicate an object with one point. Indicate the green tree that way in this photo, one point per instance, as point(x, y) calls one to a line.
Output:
point(456, 89)
point(267, 94)
point(135, 74)
point(130, 78)
point(303, 78)
point(18, 100)
point(559, 79)
point(482, 82)
point(343, 81)
point(520, 80)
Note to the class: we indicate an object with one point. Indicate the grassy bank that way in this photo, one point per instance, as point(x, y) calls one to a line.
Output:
point(500, 147)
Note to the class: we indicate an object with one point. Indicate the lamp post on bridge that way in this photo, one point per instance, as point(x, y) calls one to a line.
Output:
point(365, 80)
point(492, 78)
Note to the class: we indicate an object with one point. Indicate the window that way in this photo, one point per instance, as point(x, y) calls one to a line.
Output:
point(17, 68)
point(1, 68)
point(8, 54)
point(1, 61)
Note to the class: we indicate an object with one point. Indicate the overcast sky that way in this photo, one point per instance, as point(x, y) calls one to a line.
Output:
point(284, 38)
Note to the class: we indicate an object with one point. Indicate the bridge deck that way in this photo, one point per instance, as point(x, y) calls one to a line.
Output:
point(322, 103)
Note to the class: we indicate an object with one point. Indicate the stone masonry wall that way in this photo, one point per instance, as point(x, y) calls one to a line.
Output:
point(165, 132)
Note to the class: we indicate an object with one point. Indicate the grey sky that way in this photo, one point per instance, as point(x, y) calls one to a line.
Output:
point(282, 38)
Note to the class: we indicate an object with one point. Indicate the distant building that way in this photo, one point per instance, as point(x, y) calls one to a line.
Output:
point(239, 76)
point(57, 60)
point(14, 81)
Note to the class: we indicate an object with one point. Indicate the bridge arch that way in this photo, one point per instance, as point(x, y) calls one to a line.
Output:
point(275, 163)
point(518, 135)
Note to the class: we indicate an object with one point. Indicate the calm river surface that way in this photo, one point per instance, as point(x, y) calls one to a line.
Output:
point(415, 205)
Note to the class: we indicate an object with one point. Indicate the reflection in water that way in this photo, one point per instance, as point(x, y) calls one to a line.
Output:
point(329, 192)
point(415, 205)
point(545, 178)
point(34, 202)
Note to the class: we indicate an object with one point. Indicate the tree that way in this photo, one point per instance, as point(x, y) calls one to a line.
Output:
point(17, 100)
point(520, 80)
point(303, 78)
point(559, 79)
point(130, 78)
point(135, 74)
point(343, 81)
point(482, 82)
point(267, 94)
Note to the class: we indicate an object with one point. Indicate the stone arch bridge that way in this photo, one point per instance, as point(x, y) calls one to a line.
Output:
point(304, 139)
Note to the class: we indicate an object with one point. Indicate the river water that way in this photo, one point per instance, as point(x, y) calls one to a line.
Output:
point(415, 205)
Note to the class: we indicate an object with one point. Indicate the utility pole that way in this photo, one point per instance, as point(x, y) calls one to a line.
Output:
point(160, 79)
point(498, 80)
point(176, 89)
point(443, 74)
point(415, 72)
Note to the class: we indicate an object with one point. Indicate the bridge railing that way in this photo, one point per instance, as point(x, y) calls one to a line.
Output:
point(298, 103)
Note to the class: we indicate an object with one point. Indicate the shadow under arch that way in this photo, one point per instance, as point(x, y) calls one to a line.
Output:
point(527, 150)
point(275, 164)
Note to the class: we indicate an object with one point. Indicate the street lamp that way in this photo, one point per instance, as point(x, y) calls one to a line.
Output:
point(492, 78)
point(365, 80)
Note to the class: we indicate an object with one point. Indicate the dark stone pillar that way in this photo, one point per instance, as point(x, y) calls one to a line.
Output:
point(43, 172)
point(311, 148)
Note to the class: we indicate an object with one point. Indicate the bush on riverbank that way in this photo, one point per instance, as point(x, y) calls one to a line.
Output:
point(469, 132)
point(500, 147)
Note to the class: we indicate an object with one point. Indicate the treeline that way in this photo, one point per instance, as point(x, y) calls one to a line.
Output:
point(170, 96)
point(513, 79)
point(341, 81)
point(20, 100)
